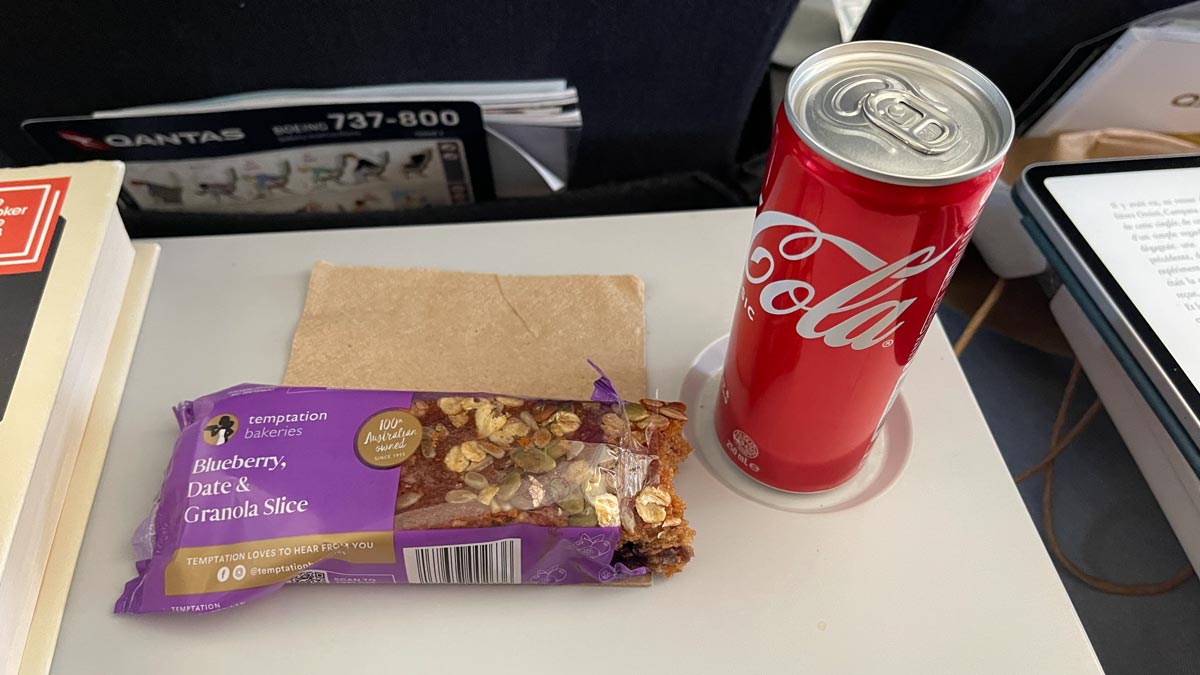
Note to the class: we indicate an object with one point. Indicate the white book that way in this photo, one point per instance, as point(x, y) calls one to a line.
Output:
point(62, 281)
point(68, 536)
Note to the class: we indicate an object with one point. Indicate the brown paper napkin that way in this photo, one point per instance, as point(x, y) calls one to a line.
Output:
point(430, 330)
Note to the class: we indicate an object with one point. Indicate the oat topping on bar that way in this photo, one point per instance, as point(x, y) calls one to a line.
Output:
point(489, 461)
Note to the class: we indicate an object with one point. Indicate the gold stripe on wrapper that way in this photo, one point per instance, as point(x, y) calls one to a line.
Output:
point(230, 567)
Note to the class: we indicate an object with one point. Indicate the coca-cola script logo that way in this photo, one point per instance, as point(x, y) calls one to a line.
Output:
point(857, 315)
point(745, 445)
point(743, 449)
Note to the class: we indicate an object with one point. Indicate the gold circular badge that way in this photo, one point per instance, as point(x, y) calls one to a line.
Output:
point(220, 429)
point(388, 438)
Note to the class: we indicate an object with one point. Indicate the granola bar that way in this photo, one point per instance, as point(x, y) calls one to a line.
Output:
point(488, 461)
point(275, 485)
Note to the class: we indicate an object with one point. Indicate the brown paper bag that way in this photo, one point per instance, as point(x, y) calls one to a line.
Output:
point(1080, 145)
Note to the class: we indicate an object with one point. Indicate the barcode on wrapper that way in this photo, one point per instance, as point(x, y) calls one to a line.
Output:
point(495, 562)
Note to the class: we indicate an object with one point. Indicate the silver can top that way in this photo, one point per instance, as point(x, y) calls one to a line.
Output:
point(899, 113)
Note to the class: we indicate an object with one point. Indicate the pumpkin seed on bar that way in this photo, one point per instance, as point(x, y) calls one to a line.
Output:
point(573, 505)
point(460, 496)
point(509, 486)
point(636, 412)
point(534, 461)
point(586, 519)
point(556, 449)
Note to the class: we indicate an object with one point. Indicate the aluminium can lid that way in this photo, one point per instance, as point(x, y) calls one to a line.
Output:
point(899, 113)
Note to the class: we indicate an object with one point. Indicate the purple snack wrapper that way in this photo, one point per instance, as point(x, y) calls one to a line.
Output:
point(273, 485)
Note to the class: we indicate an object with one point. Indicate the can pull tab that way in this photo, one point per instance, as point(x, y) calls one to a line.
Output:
point(912, 120)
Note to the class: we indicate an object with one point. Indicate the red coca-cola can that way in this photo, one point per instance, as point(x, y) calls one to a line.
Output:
point(882, 158)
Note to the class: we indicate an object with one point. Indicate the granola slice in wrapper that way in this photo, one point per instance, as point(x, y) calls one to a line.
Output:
point(270, 485)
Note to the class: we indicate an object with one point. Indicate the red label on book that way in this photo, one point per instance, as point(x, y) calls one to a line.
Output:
point(29, 212)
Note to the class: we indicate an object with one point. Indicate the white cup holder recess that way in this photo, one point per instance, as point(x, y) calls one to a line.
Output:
point(882, 467)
